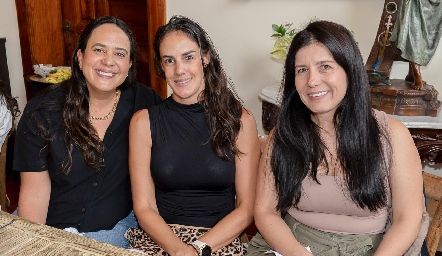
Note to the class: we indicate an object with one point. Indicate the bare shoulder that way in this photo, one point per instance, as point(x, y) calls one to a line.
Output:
point(140, 116)
point(401, 139)
point(140, 122)
point(247, 118)
point(248, 134)
point(397, 128)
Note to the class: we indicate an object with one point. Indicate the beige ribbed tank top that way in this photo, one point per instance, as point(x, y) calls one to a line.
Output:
point(328, 207)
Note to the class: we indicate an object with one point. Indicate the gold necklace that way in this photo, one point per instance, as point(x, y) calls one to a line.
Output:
point(117, 97)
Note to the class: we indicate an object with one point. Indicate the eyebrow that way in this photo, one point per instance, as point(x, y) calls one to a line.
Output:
point(326, 61)
point(184, 54)
point(117, 48)
point(319, 62)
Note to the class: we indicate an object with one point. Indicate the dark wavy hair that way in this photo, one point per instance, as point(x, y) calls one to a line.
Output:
point(10, 102)
point(75, 100)
point(297, 147)
point(219, 100)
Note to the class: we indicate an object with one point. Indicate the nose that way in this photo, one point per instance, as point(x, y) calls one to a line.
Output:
point(179, 68)
point(108, 59)
point(313, 79)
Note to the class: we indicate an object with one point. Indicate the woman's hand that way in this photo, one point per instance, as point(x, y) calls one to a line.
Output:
point(187, 250)
point(193, 250)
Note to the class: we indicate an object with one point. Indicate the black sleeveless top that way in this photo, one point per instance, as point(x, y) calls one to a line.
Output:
point(193, 186)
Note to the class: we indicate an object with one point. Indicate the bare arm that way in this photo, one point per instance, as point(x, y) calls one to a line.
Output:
point(35, 192)
point(267, 219)
point(143, 188)
point(406, 188)
point(231, 226)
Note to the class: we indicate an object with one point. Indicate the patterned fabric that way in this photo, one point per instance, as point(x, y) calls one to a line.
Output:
point(141, 241)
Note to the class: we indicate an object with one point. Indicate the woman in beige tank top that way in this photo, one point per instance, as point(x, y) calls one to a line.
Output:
point(333, 166)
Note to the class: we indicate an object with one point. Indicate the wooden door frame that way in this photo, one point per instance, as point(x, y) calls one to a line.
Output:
point(25, 45)
point(156, 13)
point(156, 17)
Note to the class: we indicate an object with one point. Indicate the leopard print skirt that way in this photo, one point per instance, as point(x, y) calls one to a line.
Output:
point(140, 241)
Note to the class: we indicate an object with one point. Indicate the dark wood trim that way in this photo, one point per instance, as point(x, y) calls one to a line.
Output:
point(24, 42)
point(156, 15)
point(429, 144)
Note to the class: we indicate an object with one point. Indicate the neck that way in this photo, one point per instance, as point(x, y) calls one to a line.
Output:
point(101, 96)
point(325, 123)
point(104, 107)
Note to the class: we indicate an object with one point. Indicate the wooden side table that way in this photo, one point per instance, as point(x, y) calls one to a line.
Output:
point(427, 135)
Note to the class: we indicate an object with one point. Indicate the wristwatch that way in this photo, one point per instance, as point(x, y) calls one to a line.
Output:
point(203, 248)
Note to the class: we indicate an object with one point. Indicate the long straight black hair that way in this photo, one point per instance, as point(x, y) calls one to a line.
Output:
point(297, 147)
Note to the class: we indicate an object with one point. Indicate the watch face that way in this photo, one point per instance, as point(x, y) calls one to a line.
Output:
point(207, 251)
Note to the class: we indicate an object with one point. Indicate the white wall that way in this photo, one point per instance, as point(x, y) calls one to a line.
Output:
point(9, 30)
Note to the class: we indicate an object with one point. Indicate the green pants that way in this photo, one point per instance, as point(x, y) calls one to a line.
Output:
point(320, 242)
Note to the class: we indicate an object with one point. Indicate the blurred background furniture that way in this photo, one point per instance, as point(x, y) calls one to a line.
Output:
point(35, 84)
point(4, 201)
point(433, 192)
point(4, 76)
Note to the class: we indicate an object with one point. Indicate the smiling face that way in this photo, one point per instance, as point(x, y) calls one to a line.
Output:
point(106, 60)
point(320, 81)
point(183, 67)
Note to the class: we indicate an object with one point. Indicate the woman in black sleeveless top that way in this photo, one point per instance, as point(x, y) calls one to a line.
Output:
point(194, 157)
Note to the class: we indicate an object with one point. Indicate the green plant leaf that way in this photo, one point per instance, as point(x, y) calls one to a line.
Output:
point(292, 33)
point(280, 55)
point(284, 35)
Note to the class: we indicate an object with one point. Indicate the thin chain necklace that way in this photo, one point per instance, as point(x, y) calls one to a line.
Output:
point(117, 97)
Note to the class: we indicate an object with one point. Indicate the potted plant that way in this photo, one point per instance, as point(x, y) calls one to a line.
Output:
point(283, 34)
